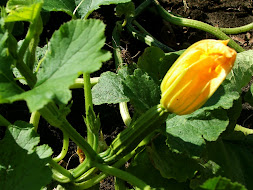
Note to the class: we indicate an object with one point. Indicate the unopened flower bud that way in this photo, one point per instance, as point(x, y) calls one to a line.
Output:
point(196, 75)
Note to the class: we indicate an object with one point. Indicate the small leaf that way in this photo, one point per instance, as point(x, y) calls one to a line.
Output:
point(22, 165)
point(109, 89)
point(171, 164)
point(142, 167)
point(142, 91)
point(156, 63)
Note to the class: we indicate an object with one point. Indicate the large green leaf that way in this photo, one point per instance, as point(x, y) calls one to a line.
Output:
point(20, 10)
point(188, 133)
point(73, 49)
point(143, 168)
point(172, 165)
point(234, 160)
point(22, 166)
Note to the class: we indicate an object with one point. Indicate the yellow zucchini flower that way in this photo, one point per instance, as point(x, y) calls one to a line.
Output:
point(196, 75)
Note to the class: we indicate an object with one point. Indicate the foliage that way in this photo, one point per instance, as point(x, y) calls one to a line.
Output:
point(204, 150)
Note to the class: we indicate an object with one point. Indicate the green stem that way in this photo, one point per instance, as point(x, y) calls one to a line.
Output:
point(79, 82)
point(60, 172)
point(4, 122)
point(34, 119)
point(143, 30)
point(124, 112)
point(141, 7)
point(83, 167)
point(245, 131)
point(147, 38)
point(55, 118)
point(119, 184)
point(87, 92)
point(30, 56)
point(86, 175)
point(65, 147)
point(123, 175)
point(26, 42)
point(237, 30)
point(196, 24)
point(119, 62)
point(89, 183)
point(26, 72)
point(92, 128)
point(116, 45)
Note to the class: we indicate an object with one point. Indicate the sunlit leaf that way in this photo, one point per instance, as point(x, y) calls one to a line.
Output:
point(73, 49)
point(20, 10)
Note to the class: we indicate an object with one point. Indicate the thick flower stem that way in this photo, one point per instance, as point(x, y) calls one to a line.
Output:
point(128, 139)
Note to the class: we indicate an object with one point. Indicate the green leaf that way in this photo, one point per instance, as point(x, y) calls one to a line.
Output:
point(142, 91)
point(221, 183)
point(127, 9)
point(234, 161)
point(249, 96)
point(67, 6)
point(139, 88)
point(22, 165)
point(86, 7)
point(170, 164)
point(188, 133)
point(74, 49)
point(20, 10)
point(110, 88)
point(82, 7)
point(142, 167)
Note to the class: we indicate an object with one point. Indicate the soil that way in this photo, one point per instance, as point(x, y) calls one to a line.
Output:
point(220, 13)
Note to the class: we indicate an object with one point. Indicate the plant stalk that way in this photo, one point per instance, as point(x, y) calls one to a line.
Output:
point(196, 24)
